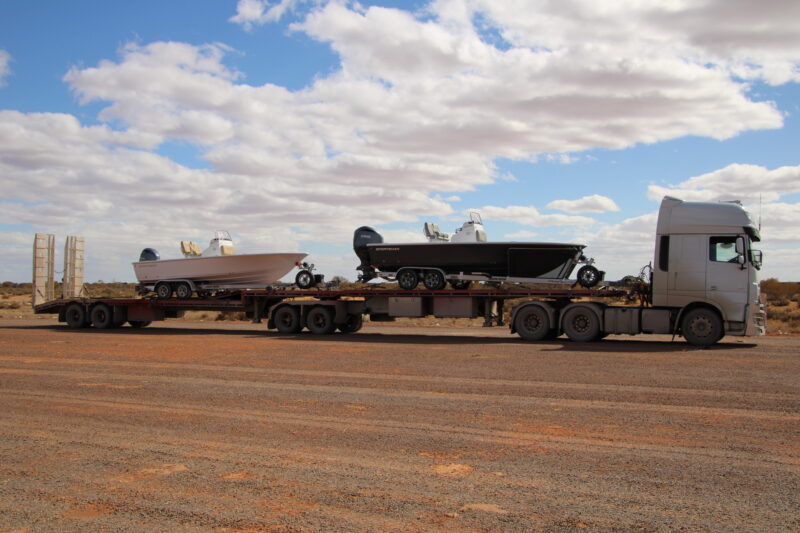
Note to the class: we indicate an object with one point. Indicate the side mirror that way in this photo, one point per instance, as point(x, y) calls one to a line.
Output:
point(756, 257)
point(740, 246)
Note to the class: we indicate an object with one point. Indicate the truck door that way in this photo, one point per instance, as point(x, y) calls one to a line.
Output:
point(727, 276)
point(686, 280)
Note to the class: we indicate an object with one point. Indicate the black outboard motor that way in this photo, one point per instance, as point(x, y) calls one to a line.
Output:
point(149, 254)
point(361, 238)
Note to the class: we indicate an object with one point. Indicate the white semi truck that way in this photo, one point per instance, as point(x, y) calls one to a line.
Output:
point(703, 284)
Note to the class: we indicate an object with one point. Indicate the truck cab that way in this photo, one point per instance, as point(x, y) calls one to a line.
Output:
point(705, 259)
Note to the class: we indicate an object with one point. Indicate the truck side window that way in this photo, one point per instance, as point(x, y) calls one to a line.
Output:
point(723, 249)
point(663, 254)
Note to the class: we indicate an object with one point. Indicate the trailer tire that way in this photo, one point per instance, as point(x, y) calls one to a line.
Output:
point(183, 290)
point(351, 324)
point(76, 316)
point(139, 323)
point(433, 280)
point(102, 316)
point(287, 319)
point(702, 327)
point(163, 290)
point(581, 324)
point(532, 323)
point(407, 279)
point(320, 320)
point(304, 279)
point(588, 276)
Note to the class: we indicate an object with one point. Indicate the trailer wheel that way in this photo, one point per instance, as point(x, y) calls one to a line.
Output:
point(139, 323)
point(320, 320)
point(352, 324)
point(581, 324)
point(702, 327)
point(287, 319)
point(407, 279)
point(532, 323)
point(163, 290)
point(76, 316)
point(433, 280)
point(183, 290)
point(588, 276)
point(102, 316)
point(304, 279)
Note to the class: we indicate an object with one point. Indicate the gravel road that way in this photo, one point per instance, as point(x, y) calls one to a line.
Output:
point(222, 427)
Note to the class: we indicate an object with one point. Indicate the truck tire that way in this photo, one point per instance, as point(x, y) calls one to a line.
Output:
point(352, 324)
point(163, 290)
point(581, 324)
point(407, 279)
point(532, 323)
point(102, 316)
point(183, 290)
point(702, 327)
point(287, 319)
point(433, 280)
point(76, 316)
point(320, 320)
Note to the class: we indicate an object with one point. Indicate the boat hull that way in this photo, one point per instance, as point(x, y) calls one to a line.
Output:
point(541, 260)
point(247, 270)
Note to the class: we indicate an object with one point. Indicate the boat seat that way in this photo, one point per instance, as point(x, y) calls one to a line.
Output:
point(226, 249)
point(189, 248)
point(432, 231)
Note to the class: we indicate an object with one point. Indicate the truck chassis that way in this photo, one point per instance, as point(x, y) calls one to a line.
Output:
point(538, 313)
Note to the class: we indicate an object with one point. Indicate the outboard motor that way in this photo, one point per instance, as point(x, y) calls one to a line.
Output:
point(361, 238)
point(149, 254)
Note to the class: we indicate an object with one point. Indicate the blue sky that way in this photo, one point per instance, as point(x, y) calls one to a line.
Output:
point(291, 123)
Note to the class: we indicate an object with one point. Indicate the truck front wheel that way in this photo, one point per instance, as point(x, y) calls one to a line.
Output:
point(702, 327)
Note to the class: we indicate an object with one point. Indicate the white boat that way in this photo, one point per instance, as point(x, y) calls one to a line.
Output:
point(216, 267)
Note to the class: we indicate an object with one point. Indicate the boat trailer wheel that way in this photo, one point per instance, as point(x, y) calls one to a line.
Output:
point(407, 279)
point(163, 290)
point(304, 279)
point(433, 280)
point(588, 276)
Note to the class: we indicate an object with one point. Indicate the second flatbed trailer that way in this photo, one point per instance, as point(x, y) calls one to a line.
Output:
point(538, 313)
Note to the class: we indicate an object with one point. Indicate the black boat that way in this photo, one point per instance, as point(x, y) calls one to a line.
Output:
point(440, 261)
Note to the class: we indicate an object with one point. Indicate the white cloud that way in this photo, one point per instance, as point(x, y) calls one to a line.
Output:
point(530, 216)
point(251, 13)
point(748, 183)
point(588, 204)
point(5, 69)
point(523, 235)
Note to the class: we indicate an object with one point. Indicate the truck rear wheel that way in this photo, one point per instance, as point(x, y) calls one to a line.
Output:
point(102, 316)
point(532, 323)
point(581, 324)
point(320, 320)
point(76, 316)
point(287, 319)
point(352, 324)
point(702, 327)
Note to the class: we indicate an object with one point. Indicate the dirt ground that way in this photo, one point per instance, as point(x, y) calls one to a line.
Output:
point(219, 426)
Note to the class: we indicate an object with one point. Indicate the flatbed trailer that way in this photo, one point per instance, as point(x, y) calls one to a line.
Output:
point(538, 314)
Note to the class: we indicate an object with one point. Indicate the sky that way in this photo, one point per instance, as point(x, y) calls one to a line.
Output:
point(290, 123)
